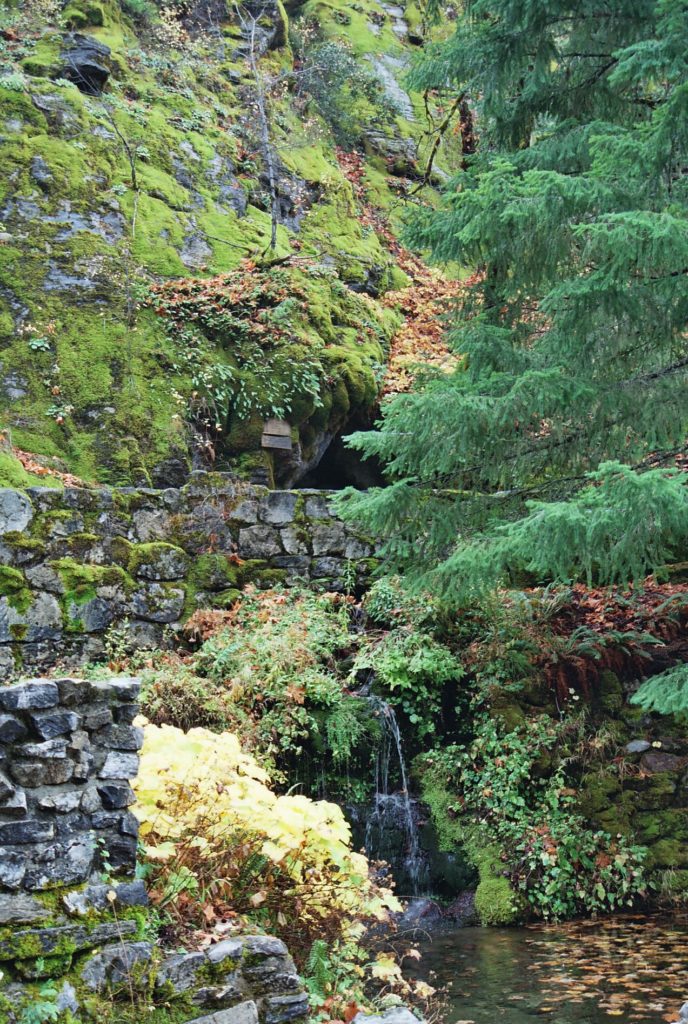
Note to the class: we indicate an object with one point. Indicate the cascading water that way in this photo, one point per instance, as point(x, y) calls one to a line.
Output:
point(394, 811)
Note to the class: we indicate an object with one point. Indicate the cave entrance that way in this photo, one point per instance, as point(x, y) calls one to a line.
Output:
point(342, 467)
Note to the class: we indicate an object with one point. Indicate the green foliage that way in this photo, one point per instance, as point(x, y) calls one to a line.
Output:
point(574, 213)
point(277, 674)
point(512, 790)
point(44, 1008)
point(666, 693)
point(411, 669)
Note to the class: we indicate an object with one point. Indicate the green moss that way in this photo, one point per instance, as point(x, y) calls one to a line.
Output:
point(22, 544)
point(495, 903)
point(13, 474)
point(14, 587)
point(610, 693)
point(78, 15)
point(667, 853)
point(81, 582)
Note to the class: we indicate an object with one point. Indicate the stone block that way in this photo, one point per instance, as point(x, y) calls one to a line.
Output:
point(12, 867)
point(328, 568)
point(118, 968)
point(61, 939)
point(28, 695)
point(294, 541)
point(116, 795)
point(19, 908)
point(228, 949)
point(96, 716)
point(119, 765)
point(121, 852)
point(49, 724)
point(98, 897)
point(329, 539)
point(16, 511)
point(42, 620)
point(158, 603)
point(278, 507)
point(180, 972)
point(264, 946)
point(120, 737)
point(73, 691)
point(59, 802)
point(278, 1009)
point(318, 507)
point(7, 788)
point(15, 806)
point(259, 542)
point(42, 773)
point(11, 731)
point(48, 749)
point(242, 1013)
point(245, 512)
point(161, 562)
point(20, 832)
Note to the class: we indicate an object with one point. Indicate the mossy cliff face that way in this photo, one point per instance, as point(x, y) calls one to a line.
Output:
point(163, 176)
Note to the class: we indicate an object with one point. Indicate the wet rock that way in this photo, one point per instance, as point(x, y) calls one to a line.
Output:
point(389, 69)
point(84, 63)
point(657, 761)
point(637, 746)
point(58, 280)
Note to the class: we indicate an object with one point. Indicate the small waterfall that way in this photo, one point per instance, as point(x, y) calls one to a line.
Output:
point(394, 811)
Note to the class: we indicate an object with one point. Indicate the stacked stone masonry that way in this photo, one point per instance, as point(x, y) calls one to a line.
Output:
point(68, 749)
point(71, 907)
point(77, 564)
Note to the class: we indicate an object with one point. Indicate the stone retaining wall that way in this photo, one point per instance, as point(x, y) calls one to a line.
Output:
point(76, 563)
point(67, 752)
point(71, 908)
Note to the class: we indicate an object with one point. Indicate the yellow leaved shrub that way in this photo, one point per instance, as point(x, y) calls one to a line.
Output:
point(222, 843)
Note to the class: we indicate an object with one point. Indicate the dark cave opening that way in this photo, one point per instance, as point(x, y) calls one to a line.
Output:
point(344, 467)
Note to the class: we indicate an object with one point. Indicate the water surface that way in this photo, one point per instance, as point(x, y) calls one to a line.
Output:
point(631, 969)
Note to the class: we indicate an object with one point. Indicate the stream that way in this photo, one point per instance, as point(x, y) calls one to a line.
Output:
point(632, 969)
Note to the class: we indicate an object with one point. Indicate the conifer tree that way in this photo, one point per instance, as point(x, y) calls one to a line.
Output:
point(547, 454)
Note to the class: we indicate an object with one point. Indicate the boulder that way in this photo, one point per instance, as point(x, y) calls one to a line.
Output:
point(84, 58)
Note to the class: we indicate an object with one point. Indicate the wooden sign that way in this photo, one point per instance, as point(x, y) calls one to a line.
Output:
point(276, 434)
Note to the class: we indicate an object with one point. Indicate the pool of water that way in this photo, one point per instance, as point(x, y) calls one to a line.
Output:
point(627, 969)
